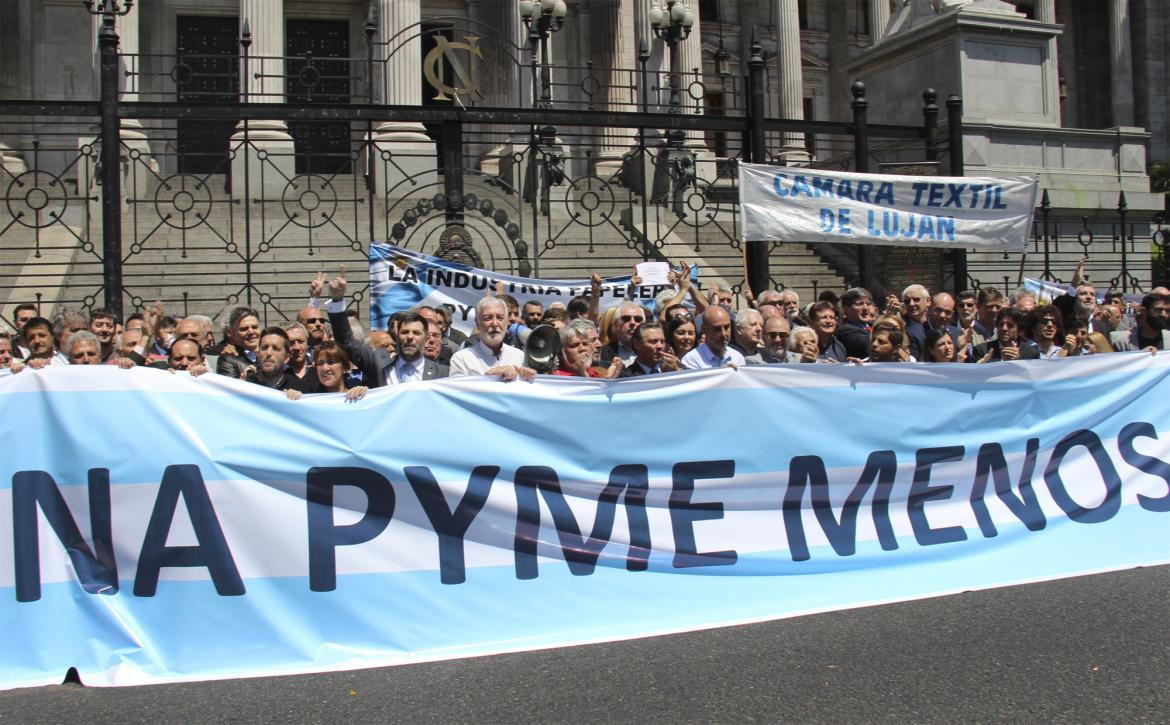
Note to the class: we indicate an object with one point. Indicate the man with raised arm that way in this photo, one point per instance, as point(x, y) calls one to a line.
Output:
point(378, 367)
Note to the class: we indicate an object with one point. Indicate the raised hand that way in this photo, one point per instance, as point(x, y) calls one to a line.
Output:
point(317, 285)
point(337, 285)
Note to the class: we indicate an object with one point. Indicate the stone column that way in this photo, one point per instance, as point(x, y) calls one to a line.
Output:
point(1121, 62)
point(879, 18)
point(791, 104)
point(1044, 11)
point(268, 151)
point(690, 58)
point(10, 160)
point(403, 149)
point(134, 139)
point(509, 86)
point(613, 37)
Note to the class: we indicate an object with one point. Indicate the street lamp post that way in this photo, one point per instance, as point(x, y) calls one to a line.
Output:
point(543, 18)
point(111, 145)
point(672, 25)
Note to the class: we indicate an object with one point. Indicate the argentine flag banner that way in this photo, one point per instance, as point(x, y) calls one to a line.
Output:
point(156, 527)
point(401, 278)
point(798, 204)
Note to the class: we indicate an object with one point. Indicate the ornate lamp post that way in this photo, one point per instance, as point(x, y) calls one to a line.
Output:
point(543, 18)
point(110, 175)
point(672, 25)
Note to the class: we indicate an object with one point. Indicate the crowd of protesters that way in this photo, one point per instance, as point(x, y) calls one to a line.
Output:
point(326, 350)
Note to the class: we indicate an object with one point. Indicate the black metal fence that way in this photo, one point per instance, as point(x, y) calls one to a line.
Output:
point(176, 186)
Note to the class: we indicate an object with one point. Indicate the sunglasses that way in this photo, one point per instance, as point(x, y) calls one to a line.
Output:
point(632, 318)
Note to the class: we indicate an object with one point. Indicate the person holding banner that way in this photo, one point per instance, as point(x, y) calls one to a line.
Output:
point(330, 364)
point(271, 361)
point(489, 355)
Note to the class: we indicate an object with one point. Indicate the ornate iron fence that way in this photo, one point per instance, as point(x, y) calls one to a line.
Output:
point(213, 197)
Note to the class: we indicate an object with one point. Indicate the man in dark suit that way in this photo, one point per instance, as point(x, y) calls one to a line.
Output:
point(1007, 343)
point(378, 367)
point(649, 342)
point(916, 299)
point(853, 333)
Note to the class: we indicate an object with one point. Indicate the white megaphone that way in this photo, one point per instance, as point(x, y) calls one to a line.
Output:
point(541, 346)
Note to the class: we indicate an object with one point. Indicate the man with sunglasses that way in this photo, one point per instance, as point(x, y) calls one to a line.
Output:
point(629, 316)
point(316, 323)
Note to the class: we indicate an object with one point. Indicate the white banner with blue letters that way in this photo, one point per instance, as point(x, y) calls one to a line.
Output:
point(156, 527)
point(402, 278)
point(797, 204)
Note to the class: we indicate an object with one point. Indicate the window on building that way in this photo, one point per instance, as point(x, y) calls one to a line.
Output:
point(716, 140)
point(802, 12)
point(810, 139)
point(708, 11)
point(863, 17)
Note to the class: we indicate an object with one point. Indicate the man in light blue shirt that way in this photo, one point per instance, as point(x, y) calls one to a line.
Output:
point(714, 351)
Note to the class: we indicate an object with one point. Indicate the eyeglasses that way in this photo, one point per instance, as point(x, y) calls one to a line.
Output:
point(778, 335)
point(631, 318)
point(1047, 321)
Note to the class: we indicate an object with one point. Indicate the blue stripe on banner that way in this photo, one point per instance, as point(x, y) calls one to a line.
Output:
point(518, 429)
point(187, 632)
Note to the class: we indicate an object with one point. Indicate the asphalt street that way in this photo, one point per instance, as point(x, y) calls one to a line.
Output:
point(1093, 648)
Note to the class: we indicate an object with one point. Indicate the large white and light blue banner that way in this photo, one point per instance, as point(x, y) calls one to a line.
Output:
point(401, 278)
point(155, 527)
point(794, 204)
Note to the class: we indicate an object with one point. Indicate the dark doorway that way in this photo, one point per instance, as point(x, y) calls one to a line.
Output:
point(318, 71)
point(206, 71)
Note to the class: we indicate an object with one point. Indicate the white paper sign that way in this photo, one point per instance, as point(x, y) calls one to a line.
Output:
point(654, 272)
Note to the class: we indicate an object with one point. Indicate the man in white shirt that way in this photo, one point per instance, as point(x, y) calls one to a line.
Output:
point(489, 355)
point(714, 352)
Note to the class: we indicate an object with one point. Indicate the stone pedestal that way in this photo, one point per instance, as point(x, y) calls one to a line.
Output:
point(999, 62)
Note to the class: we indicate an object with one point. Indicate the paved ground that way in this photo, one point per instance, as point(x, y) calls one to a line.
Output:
point(1092, 648)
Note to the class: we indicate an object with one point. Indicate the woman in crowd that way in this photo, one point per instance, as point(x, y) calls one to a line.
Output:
point(681, 336)
point(940, 347)
point(331, 362)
